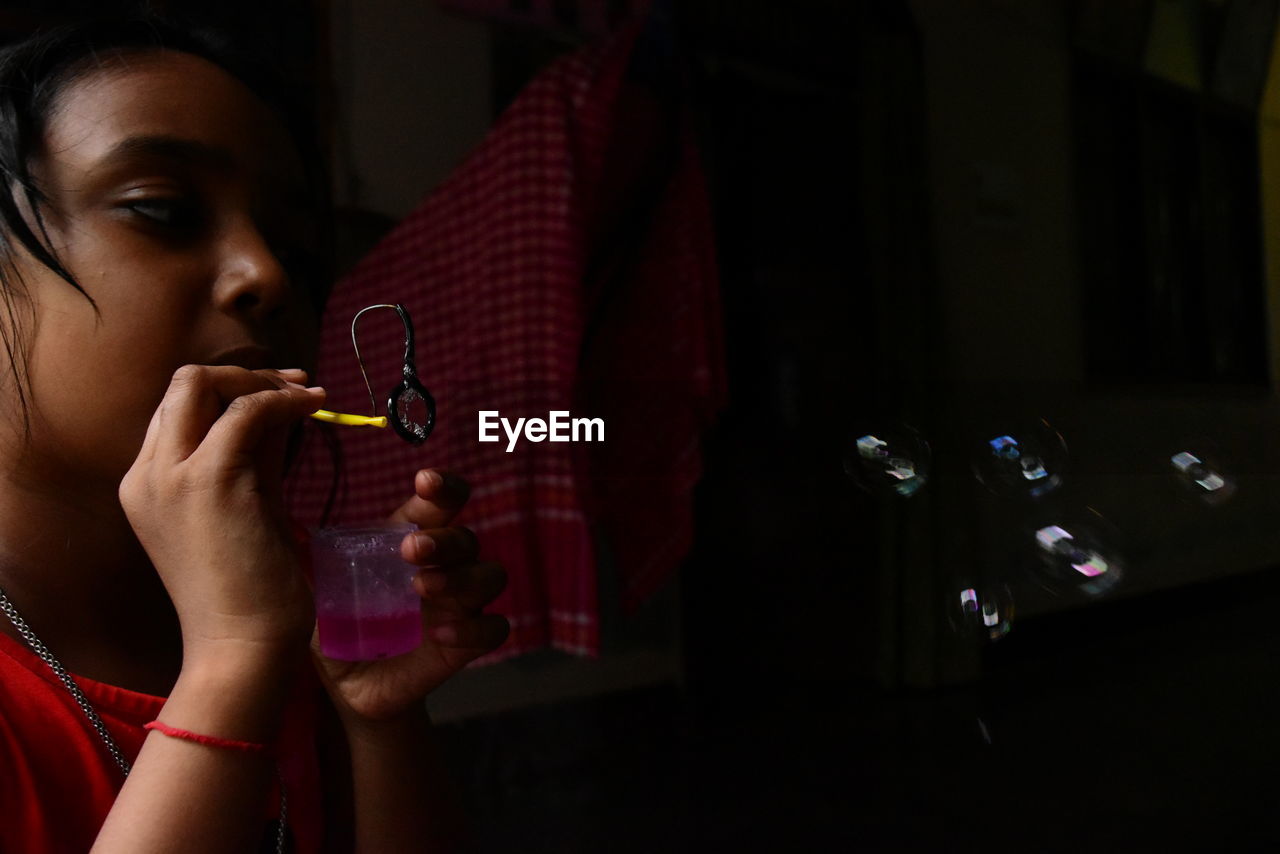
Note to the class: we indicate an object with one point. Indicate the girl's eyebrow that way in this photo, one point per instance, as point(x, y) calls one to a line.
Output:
point(190, 152)
point(174, 148)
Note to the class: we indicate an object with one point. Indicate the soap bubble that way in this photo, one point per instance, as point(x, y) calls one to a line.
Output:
point(982, 611)
point(1202, 476)
point(1028, 462)
point(894, 461)
point(1077, 555)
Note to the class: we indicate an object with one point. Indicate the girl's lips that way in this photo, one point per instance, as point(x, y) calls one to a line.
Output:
point(250, 356)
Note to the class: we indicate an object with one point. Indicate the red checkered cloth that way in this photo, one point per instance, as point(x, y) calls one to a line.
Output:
point(567, 264)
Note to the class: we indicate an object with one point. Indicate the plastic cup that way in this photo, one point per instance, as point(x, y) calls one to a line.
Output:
point(366, 607)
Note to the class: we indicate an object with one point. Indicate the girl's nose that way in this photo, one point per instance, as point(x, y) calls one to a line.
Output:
point(251, 279)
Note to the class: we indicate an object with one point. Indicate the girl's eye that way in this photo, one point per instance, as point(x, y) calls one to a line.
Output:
point(171, 213)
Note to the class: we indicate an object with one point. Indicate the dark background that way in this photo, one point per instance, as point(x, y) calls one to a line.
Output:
point(949, 214)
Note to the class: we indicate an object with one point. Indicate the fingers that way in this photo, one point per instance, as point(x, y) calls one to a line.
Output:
point(485, 632)
point(441, 546)
point(197, 397)
point(241, 429)
point(438, 496)
point(467, 588)
point(453, 586)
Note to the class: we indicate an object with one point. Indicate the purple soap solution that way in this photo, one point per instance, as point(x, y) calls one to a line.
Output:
point(366, 606)
point(352, 638)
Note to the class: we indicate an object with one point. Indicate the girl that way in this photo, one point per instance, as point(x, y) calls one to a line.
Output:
point(159, 315)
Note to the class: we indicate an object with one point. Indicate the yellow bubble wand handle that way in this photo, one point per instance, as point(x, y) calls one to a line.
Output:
point(349, 420)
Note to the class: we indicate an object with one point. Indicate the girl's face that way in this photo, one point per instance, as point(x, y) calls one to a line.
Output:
point(176, 200)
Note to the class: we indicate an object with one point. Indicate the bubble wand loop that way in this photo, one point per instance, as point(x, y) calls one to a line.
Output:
point(409, 391)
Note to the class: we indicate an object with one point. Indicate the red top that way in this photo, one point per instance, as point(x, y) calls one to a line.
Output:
point(57, 781)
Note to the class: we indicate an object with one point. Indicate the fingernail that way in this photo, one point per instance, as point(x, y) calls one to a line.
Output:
point(434, 582)
point(432, 478)
point(294, 385)
point(444, 634)
point(426, 544)
point(315, 389)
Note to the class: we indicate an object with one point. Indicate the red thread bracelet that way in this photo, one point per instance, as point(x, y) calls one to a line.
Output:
point(208, 740)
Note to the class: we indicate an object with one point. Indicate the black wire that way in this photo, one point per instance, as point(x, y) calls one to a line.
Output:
point(337, 483)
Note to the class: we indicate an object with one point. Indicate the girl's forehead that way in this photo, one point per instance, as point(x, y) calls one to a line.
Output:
point(166, 95)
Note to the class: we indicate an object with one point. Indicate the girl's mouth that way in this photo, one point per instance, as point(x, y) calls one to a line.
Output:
point(254, 357)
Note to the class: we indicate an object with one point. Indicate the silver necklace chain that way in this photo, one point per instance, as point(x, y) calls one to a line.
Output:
point(38, 647)
point(42, 651)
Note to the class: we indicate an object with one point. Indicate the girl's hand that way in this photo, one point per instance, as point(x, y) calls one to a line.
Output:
point(454, 590)
point(204, 497)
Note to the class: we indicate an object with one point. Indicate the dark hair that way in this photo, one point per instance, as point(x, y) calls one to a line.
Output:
point(35, 71)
